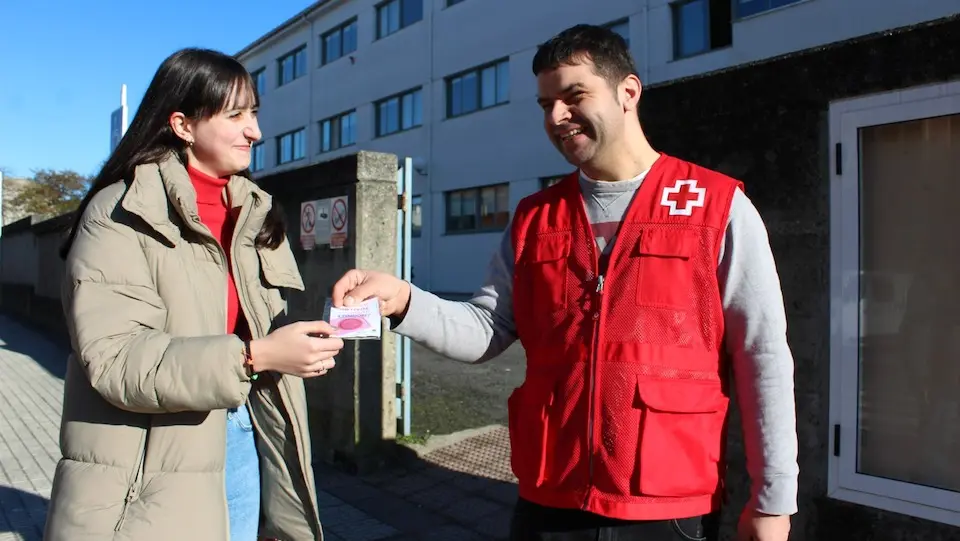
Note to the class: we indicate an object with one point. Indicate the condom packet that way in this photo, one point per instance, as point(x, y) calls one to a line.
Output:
point(358, 322)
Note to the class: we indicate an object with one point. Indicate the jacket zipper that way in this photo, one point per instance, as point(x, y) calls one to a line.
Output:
point(255, 324)
point(133, 491)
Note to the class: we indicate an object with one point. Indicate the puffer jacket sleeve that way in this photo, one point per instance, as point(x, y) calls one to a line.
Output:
point(116, 320)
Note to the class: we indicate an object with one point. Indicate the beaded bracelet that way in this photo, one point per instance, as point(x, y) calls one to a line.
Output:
point(248, 360)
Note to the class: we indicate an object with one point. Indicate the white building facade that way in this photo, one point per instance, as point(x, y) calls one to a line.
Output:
point(449, 83)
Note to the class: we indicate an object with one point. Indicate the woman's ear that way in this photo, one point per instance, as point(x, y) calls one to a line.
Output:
point(181, 127)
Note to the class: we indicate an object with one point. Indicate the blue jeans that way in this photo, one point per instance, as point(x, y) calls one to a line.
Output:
point(243, 476)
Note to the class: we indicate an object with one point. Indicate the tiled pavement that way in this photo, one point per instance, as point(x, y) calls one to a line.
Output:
point(463, 491)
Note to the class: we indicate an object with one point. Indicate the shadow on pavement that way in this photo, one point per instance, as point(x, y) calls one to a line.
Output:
point(42, 347)
point(463, 492)
point(22, 513)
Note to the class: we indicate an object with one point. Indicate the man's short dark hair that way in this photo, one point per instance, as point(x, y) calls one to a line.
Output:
point(604, 47)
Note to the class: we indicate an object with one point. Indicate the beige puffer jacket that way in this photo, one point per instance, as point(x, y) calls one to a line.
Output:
point(143, 433)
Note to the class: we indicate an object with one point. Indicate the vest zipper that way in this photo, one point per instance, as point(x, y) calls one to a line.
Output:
point(133, 492)
point(593, 384)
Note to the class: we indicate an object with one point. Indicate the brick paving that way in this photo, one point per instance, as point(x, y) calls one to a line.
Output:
point(30, 402)
point(463, 491)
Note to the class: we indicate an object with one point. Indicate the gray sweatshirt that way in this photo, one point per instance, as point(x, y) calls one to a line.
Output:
point(478, 330)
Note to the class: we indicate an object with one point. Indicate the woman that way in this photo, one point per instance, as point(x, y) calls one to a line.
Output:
point(184, 416)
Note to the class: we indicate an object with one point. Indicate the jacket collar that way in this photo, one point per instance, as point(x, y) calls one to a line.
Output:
point(162, 187)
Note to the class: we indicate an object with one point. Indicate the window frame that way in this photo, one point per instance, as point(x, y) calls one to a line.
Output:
point(845, 483)
point(339, 29)
point(380, 33)
point(418, 91)
point(258, 147)
point(477, 192)
point(735, 7)
point(416, 202)
point(293, 147)
point(258, 75)
point(336, 123)
point(299, 68)
point(477, 71)
point(625, 21)
point(709, 37)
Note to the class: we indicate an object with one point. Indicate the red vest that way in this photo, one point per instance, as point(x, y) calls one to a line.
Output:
point(623, 409)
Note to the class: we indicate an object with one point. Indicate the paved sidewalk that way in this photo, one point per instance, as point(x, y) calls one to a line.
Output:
point(30, 402)
point(463, 491)
point(459, 487)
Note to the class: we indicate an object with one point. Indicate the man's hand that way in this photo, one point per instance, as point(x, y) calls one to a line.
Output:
point(755, 526)
point(359, 285)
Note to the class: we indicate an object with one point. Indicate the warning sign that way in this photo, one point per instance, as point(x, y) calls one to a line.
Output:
point(339, 217)
point(308, 223)
point(322, 229)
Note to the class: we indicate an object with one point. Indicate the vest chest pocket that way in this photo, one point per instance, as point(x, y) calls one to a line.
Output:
point(665, 268)
point(543, 267)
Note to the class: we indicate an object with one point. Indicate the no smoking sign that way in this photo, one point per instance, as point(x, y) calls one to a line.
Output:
point(324, 222)
point(339, 218)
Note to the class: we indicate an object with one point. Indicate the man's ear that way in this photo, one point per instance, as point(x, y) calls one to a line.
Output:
point(630, 89)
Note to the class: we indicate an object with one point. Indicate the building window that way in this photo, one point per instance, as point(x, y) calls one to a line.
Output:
point(395, 15)
point(260, 80)
point(478, 209)
point(894, 406)
point(546, 182)
point(291, 146)
point(292, 66)
point(478, 88)
point(398, 113)
point(340, 41)
point(700, 26)
point(622, 28)
point(338, 132)
point(416, 215)
point(746, 8)
point(257, 157)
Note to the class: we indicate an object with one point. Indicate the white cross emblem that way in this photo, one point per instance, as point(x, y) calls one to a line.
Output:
point(684, 195)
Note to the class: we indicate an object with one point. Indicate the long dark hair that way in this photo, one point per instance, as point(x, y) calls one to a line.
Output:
point(198, 83)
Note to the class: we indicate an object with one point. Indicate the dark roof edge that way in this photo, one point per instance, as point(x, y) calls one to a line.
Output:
point(282, 27)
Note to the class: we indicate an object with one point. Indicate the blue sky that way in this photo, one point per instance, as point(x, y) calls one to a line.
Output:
point(62, 64)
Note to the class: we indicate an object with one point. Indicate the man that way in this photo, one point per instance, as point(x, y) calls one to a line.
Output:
point(634, 284)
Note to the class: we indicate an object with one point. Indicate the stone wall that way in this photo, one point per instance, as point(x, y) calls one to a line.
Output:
point(352, 410)
point(31, 272)
point(766, 124)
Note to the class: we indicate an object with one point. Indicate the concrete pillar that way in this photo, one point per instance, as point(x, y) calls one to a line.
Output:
point(352, 409)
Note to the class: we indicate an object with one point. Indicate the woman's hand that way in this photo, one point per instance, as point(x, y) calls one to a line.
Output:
point(304, 349)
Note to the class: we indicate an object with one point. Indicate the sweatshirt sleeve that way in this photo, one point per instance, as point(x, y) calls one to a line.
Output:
point(116, 319)
point(472, 331)
point(763, 366)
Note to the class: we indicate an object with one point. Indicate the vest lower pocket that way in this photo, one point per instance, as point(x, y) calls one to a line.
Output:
point(681, 437)
point(528, 410)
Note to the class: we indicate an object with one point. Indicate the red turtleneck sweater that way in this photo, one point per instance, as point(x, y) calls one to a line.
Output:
point(220, 220)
